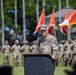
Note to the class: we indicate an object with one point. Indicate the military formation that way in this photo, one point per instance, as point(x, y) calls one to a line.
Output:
point(63, 52)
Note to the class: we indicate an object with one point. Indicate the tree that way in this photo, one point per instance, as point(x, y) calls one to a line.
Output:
point(31, 22)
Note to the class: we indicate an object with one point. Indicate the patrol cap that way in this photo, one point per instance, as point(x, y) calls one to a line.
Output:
point(17, 41)
point(6, 41)
point(34, 42)
point(43, 27)
point(25, 42)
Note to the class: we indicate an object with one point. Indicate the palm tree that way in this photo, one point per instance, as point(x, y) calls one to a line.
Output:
point(16, 17)
point(37, 10)
point(24, 21)
point(16, 14)
point(2, 12)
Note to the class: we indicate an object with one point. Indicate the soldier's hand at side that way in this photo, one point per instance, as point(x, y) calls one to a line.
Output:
point(53, 57)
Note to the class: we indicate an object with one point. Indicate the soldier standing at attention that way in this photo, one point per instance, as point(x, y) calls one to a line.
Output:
point(34, 48)
point(73, 48)
point(68, 44)
point(49, 41)
point(61, 49)
point(25, 49)
point(16, 50)
point(6, 51)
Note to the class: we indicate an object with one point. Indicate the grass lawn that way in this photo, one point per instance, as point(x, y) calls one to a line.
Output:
point(20, 70)
point(58, 71)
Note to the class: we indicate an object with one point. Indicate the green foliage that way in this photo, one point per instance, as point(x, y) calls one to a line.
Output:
point(30, 8)
point(0, 37)
point(19, 29)
point(72, 3)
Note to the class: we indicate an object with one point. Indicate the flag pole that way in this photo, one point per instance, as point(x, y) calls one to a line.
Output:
point(3, 36)
point(59, 16)
point(16, 17)
point(44, 9)
point(24, 21)
point(55, 26)
point(37, 10)
point(67, 2)
point(69, 32)
point(59, 11)
point(54, 32)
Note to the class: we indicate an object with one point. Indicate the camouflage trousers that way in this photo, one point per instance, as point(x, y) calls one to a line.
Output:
point(16, 60)
point(6, 59)
point(22, 60)
point(56, 62)
point(73, 60)
point(66, 61)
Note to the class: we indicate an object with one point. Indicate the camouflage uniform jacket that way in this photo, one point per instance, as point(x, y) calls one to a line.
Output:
point(16, 50)
point(34, 49)
point(61, 49)
point(46, 46)
point(6, 49)
point(25, 49)
point(74, 47)
point(66, 55)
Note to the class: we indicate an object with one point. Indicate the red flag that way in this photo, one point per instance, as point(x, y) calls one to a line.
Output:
point(52, 23)
point(40, 22)
point(69, 21)
point(72, 19)
point(64, 29)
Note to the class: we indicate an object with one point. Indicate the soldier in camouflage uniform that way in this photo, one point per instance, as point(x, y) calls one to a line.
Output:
point(55, 49)
point(73, 48)
point(68, 45)
point(16, 51)
point(61, 50)
point(25, 49)
point(49, 41)
point(6, 52)
point(66, 56)
point(34, 48)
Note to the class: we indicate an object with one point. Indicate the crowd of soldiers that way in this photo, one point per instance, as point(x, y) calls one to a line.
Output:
point(67, 51)
point(62, 52)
